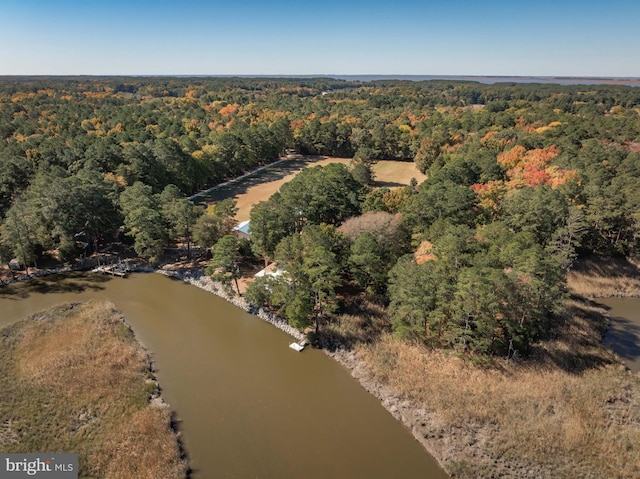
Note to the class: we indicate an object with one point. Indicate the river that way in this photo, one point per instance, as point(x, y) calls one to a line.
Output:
point(623, 335)
point(247, 405)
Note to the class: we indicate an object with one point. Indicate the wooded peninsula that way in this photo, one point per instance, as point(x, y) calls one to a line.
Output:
point(453, 292)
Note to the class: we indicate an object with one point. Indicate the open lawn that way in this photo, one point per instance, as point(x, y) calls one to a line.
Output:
point(262, 185)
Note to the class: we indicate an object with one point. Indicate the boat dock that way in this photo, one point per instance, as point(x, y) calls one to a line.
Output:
point(298, 346)
point(120, 269)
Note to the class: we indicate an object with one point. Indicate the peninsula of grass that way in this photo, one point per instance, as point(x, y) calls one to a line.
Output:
point(74, 379)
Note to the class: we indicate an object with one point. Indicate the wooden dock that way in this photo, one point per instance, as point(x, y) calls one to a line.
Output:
point(116, 269)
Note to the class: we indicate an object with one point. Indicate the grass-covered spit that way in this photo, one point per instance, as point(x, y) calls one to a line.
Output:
point(74, 379)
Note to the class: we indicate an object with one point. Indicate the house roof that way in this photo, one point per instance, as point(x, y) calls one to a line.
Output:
point(271, 270)
point(243, 227)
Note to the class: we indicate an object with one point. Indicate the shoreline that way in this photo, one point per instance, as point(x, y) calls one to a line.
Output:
point(199, 280)
point(101, 358)
point(447, 446)
point(417, 420)
point(423, 426)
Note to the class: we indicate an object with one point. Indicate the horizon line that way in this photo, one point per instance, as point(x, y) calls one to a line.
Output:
point(488, 75)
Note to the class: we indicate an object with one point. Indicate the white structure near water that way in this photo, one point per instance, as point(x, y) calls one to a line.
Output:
point(242, 230)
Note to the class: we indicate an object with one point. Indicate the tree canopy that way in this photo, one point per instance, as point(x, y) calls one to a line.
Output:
point(522, 179)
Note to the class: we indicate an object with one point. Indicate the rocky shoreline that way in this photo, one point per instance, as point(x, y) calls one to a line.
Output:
point(421, 424)
point(196, 278)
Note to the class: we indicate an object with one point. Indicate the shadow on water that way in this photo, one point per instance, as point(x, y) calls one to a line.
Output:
point(176, 427)
point(623, 337)
point(575, 342)
point(76, 282)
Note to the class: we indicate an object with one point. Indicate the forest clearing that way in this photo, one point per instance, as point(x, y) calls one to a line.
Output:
point(259, 187)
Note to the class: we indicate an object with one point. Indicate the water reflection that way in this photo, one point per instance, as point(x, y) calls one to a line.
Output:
point(76, 282)
point(623, 335)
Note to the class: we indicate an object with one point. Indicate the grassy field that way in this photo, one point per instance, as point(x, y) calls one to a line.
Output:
point(262, 185)
point(74, 379)
point(570, 410)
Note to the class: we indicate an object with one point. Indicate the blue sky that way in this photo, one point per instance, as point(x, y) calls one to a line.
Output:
point(457, 37)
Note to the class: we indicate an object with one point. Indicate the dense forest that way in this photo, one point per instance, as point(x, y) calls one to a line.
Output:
point(522, 179)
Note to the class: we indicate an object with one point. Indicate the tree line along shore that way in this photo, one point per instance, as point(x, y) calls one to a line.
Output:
point(462, 278)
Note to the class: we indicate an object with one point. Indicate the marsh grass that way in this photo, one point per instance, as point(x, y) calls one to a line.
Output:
point(605, 277)
point(569, 410)
point(529, 416)
point(73, 379)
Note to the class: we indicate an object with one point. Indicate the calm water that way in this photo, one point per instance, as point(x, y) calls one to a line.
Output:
point(248, 406)
point(623, 335)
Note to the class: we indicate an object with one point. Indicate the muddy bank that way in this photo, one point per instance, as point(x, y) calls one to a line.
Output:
point(461, 452)
point(425, 427)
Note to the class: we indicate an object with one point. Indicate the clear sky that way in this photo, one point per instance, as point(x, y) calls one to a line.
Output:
point(200, 37)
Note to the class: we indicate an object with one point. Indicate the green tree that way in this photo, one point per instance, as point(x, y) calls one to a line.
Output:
point(181, 214)
point(438, 201)
point(218, 220)
point(225, 263)
point(270, 222)
point(322, 194)
point(369, 263)
point(144, 221)
point(427, 154)
point(412, 298)
point(541, 211)
point(17, 234)
point(72, 210)
point(362, 173)
point(312, 272)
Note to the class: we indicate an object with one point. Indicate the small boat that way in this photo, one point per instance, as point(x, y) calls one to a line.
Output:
point(296, 346)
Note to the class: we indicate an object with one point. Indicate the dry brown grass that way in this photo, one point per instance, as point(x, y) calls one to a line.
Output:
point(570, 410)
point(261, 186)
point(74, 379)
point(605, 277)
point(141, 448)
point(362, 322)
point(518, 420)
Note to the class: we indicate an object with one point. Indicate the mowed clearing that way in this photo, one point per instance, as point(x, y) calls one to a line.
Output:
point(262, 185)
